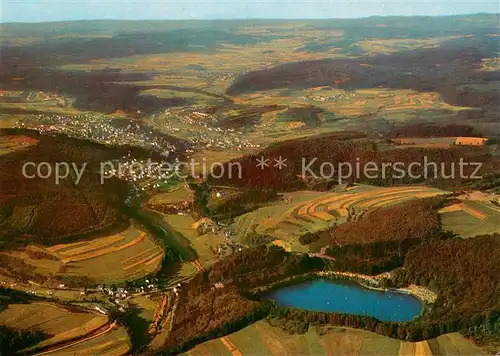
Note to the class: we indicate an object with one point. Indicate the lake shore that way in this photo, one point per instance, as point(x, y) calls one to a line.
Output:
point(372, 282)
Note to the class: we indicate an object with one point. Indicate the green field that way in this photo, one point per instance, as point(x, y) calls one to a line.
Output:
point(481, 218)
point(58, 323)
point(262, 339)
point(175, 195)
point(204, 245)
point(313, 211)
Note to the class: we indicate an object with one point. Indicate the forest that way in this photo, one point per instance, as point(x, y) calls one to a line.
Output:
point(434, 130)
point(464, 274)
point(44, 210)
point(438, 166)
point(415, 219)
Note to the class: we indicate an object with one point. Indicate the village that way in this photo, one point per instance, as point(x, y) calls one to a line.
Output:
point(101, 129)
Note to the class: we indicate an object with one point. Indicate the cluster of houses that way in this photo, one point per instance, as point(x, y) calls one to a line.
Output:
point(100, 129)
point(204, 130)
point(229, 248)
point(332, 97)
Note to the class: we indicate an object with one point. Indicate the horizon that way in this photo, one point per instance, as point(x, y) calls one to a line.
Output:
point(29, 11)
point(243, 19)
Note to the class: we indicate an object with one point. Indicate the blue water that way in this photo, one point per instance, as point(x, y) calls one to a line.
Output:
point(348, 297)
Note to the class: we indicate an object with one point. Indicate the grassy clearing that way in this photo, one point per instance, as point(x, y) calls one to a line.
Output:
point(57, 322)
point(204, 245)
point(313, 211)
point(146, 305)
point(464, 346)
point(471, 218)
point(176, 246)
point(459, 222)
point(176, 195)
point(262, 339)
point(193, 97)
point(374, 344)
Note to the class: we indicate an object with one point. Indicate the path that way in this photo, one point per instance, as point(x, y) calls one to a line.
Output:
point(91, 337)
point(230, 346)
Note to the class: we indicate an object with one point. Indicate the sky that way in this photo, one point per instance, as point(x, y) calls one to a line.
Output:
point(64, 10)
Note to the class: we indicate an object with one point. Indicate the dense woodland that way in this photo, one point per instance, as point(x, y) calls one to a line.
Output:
point(464, 274)
point(433, 130)
point(242, 202)
point(44, 210)
point(13, 340)
point(438, 166)
point(415, 219)
point(206, 312)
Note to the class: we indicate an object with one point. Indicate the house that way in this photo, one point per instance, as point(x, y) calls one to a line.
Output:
point(470, 141)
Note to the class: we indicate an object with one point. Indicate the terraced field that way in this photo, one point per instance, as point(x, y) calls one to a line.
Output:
point(113, 342)
point(471, 218)
point(126, 255)
point(313, 211)
point(60, 324)
point(262, 339)
point(400, 103)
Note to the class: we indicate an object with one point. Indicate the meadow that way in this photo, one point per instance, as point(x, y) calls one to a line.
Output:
point(175, 195)
point(261, 338)
point(471, 218)
point(204, 245)
point(62, 325)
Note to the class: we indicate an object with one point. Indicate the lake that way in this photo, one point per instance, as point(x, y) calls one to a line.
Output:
point(341, 296)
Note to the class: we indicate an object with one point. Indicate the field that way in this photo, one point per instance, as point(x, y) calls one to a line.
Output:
point(129, 254)
point(471, 218)
point(313, 211)
point(190, 96)
point(59, 323)
point(113, 342)
point(9, 144)
point(20, 103)
point(262, 339)
point(344, 103)
point(204, 245)
point(176, 195)
point(146, 305)
point(395, 45)
point(221, 91)
point(341, 109)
